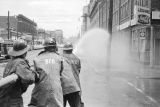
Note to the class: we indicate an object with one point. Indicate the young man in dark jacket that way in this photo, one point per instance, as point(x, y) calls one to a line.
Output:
point(11, 94)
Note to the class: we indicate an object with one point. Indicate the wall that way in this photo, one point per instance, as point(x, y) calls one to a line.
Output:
point(25, 25)
point(103, 14)
point(94, 14)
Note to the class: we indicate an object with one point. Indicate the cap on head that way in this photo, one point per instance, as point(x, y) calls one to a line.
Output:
point(68, 46)
point(19, 48)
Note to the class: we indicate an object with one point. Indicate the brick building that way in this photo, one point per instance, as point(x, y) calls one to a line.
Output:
point(19, 26)
point(136, 24)
point(94, 13)
point(4, 26)
point(103, 14)
point(99, 14)
point(133, 23)
point(26, 25)
point(86, 20)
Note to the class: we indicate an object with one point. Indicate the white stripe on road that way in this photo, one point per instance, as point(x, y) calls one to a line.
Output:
point(139, 90)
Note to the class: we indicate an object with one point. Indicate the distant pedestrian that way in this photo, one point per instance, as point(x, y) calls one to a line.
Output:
point(74, 96)
point(48, 91)
point(11, 94)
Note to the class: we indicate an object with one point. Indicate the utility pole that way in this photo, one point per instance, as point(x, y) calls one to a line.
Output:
point(17, 27)
point(151, 47)
point(8, 23)
point(33, 34)
point(151, 38)
point(110, 17)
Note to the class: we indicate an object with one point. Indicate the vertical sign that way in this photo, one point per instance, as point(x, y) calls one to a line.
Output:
point(141, 15)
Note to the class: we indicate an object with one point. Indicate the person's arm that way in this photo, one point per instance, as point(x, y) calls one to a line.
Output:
point(61, 69)
point(25, 74)
point(79, 66)
point(37, 70)
point(78, 63)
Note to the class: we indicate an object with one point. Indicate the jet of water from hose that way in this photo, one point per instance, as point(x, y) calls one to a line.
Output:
point(93, 47)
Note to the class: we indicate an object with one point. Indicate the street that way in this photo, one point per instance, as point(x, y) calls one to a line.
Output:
point(115, 88)
point(117, 42)
point(111, 87)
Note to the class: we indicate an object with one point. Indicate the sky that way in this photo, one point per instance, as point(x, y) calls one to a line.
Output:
point(48, 14)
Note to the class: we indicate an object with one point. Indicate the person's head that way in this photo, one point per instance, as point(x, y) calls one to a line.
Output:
point(50, 45)
point(19, 49)
point(68, 48)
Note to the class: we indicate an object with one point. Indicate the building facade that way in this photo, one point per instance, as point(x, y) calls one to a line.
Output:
point(136, 24)
point(59, 36)
point(103, 14)
point(94, 14)
point(85, 20)
point(26, 25)
point(19, 26)
point(4, 27)
point(99, 14)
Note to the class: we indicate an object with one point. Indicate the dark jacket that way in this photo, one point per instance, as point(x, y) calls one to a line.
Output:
point(75, 64)
point(11, 94)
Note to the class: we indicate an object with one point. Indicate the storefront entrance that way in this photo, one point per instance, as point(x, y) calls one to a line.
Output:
point(157, 51)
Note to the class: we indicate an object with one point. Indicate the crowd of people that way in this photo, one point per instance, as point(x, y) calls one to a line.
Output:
point(55, 75)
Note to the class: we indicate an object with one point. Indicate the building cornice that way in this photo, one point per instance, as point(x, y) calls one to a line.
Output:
point(27, 19)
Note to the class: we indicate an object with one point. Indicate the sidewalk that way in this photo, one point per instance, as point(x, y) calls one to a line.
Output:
point(142, 77)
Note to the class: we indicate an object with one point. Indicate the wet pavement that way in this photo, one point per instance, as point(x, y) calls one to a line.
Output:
point(134, 86)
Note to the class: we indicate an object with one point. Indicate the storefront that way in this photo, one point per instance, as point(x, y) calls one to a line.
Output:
point(141, 43)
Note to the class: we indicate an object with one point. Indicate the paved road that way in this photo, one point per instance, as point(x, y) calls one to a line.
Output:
point(117, 86)
point(114, 87)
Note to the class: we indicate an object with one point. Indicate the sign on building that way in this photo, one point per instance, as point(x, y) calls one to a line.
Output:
point(155, 14)
point(142, 33)
point(141, 15)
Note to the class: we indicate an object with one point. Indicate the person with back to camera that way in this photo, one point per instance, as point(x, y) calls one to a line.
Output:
point(11, 93)
point(48, 91)
point(73, 97)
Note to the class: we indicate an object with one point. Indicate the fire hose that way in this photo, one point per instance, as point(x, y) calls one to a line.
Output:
point(7, 80)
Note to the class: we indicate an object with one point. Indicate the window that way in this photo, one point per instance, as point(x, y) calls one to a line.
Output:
point(114, 5)
point(122, 12)
point(114, 18)
point(146, 4)
point(140, 2)
point(104, 16)
point(126, 10)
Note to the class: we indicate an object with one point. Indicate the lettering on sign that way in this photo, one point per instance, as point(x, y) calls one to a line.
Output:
point(141, 15)
point(143, 10)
